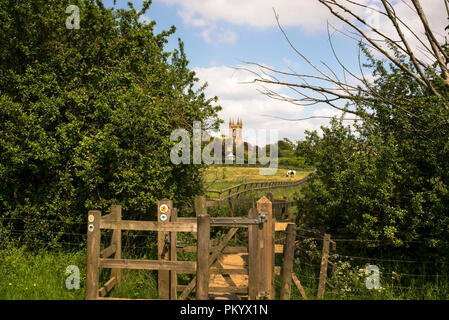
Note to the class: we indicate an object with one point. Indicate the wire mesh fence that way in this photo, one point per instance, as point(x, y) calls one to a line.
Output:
point(358, 270)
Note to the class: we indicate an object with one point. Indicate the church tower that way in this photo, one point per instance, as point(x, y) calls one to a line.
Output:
point(235, 131)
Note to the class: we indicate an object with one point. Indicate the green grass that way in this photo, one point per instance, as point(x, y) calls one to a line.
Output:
point(42, 276)
point(221, 177)
point(29, 276)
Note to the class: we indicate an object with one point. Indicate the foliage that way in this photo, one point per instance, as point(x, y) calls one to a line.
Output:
point(387, 177)
point(286, 148)
point(86, 114)
point(294, 162)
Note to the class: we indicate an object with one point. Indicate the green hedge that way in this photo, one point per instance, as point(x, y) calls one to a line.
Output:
point(86, 116)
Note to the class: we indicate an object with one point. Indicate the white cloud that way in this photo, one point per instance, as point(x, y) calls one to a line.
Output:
point(310, 15)
point(205, 34)
point(242, 100)
point(227, 36)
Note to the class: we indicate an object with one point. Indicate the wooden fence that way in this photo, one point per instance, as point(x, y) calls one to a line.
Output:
point(242, 188)
point(280, 205)
point(261, 249)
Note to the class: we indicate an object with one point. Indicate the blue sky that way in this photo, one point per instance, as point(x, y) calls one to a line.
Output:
point(220, 34)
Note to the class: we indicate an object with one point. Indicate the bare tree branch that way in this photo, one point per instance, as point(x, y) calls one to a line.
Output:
point(437, 49)
point(312, 117)
point(354, 90)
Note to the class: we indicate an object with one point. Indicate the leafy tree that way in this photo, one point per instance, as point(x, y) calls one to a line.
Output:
point(86, 115)
point(386, 177)
point(286, 148)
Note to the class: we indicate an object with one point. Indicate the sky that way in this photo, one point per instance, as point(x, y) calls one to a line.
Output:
point(222, 37)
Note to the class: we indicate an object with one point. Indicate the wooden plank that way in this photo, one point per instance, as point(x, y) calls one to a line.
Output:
point(107, 287)
point(181, 266)
point(287, 262)
point(282, 226)
point(278, 248)
point(229, 289)
point(212, 259)
point(93, 254)
point(235, 249)
point(214, 270)
point(122, 299)
point(218, 270)
point(164, 208)
point(116, 212)
point(266, 236)
point(149, 226)
point(299, 286)
point(173, 256)
point(225, 250)
point(239, 222)
point(187, 249)
point(202, 256)
point(108, 217)
point(253, 257)
point(323, 269)
point(109, 251)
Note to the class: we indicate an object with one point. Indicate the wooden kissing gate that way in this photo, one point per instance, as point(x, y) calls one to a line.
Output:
point(261, 251)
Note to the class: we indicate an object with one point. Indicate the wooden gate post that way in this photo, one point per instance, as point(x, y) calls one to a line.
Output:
point(324, 263)
point(116, 211)
point(173, 256)
point(284, 212)
point(202, 257)
point(164, 208)
point(266, 247)
point(253, 257)
point(287, 264)
point(93, 254)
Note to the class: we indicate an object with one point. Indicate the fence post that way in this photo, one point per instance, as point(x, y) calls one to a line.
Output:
point(273, 254)
point(284, 214)
point(333, 248)
point(266, 248)
point(202, 257)
point(164, 208)
point(324, 263)
point(116, 211)
point(287, 263)
point(173, 256)
point(93, 254)
point(231, 207)
point(253, 257)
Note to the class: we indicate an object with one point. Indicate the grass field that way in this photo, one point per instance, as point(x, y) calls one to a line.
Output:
point(221, 177)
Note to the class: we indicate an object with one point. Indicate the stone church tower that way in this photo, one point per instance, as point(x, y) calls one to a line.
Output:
point(235, 131)
point(234, 141)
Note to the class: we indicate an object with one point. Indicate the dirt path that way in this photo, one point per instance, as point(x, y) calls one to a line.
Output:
point(229, 261)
